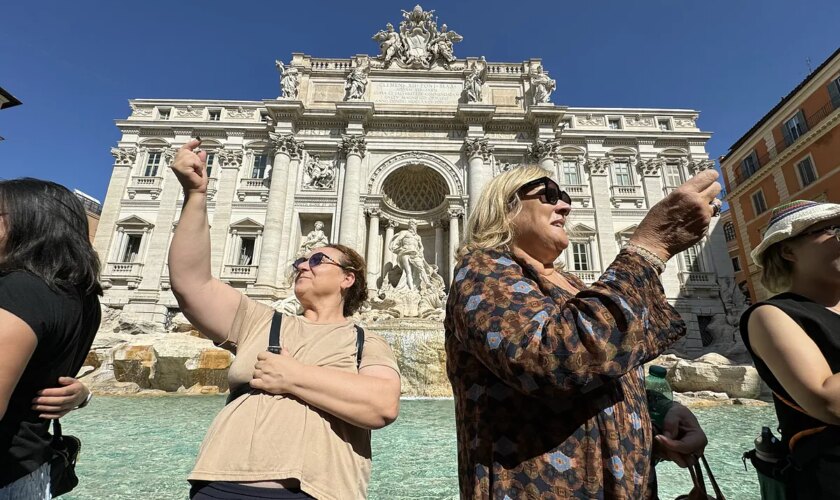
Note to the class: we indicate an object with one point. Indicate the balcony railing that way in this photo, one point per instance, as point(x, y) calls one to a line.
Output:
point(123, 269)
point(627, 193)
point(257, 187)
point(587, 277)
point(143, 184)
point(579, 194)
point(810, 122)
point(240, 273)
point(694, 279)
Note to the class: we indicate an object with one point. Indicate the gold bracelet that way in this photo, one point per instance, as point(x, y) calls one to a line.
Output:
point(649, 256)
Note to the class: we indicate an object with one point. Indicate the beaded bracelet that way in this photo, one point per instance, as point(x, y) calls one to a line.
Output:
point(649, 256)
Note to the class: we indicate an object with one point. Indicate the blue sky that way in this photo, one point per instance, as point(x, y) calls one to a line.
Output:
point(75, 64)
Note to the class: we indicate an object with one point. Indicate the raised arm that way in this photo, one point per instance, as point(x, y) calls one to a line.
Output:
point(535, 345)
point(208, 304)
point(796, 362)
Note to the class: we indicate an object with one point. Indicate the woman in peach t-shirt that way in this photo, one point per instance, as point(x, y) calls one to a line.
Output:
point(304, 429)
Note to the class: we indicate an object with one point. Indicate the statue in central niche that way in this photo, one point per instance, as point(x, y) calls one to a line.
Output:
point(408, 247)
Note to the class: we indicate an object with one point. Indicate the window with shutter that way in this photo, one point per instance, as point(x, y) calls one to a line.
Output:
point(807, 172)
point(794, 128)
point(834, 92)
point(749, 165)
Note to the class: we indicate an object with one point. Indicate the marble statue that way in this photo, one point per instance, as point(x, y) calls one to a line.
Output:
point(320, 174)
point(408, 247)
point(389, 43)
point(289, 80)
point(357, 81)
point(316, 238)
point(543, 86)
point(474, 81)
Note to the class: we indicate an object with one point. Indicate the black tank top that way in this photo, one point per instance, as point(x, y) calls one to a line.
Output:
point(819, 323)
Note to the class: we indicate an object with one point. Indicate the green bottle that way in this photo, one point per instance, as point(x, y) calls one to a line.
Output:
point(659, 402)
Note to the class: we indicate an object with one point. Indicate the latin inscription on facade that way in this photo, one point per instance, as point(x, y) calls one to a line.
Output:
point(391, 92)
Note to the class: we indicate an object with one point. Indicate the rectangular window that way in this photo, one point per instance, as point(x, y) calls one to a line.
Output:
point(258, 171)
point(759, 205)
point(265, 117)
point(736, 264)
point(729, 231)
point(580, 254)
point(132, 248)
point(794, 128)
point(614, 123)
point(691, 259)
point(673, 175)
point(570, 173)
point(246, 251)
point(215, 115)
point(566, 124)
point(664, 124)
point(834, 92)
point(211, 158)
point(164, 114)
point(152, 164)
point(749, 165)
point(807, 173)
point(621, 170)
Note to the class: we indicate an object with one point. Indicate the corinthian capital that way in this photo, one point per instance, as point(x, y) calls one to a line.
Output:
point(478, 147)
point(697, 166)
point(286, 143)
point(456, 212)
point(169, 155)
point(598, 166)
point(124, 156)
point(540, 150)
point(651, 167)
point(230, 157)
point(353, 145)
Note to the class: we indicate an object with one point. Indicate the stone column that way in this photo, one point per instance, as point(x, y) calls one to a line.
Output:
point(454, 238)
point(124, 159)
point(286, 147)
point(229, 160)
point(439, 259)
point(157, 247)
point(373, 254)
point(354, 147)
point(478, 152)
point(599, 180)
point(545, 153)
point(389, 235)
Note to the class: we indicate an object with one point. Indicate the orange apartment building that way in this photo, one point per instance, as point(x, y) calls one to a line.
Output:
point(792, 153)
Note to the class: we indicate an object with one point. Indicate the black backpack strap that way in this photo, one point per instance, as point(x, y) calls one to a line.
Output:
point(360, 345)
point(274, 346)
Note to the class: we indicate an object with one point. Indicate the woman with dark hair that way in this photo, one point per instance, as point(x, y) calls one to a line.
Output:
point(298, 423)
point(49, 314)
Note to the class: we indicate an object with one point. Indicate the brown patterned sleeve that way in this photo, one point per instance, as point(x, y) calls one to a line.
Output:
point(534, 344)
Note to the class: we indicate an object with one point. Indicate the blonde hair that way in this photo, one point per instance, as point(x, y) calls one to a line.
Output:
point(489, 224)
point(776, 271)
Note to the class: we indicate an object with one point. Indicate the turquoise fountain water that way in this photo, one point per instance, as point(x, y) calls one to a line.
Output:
point(143, 448)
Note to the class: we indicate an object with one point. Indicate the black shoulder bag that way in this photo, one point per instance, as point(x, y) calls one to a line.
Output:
point(274, 347)
point(63, 463)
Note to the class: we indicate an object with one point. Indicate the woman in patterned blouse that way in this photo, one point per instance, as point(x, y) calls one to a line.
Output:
point(546, 371)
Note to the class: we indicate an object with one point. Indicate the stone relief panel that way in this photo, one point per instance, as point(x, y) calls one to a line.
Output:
point(189, 112)
point(240, 113)
point(326, 92)
point(684, 123)
point(638, 121)
point(319, 174)
point(141, 112)
point(505, 97)
point(591, 121)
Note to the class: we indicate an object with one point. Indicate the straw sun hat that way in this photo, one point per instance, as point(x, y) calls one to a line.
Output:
point(791, 219)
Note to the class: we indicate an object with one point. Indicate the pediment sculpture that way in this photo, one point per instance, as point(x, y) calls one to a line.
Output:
point(418, 43)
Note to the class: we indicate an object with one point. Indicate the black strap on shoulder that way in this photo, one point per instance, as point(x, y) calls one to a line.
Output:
point(274, 345)
point(360, 345)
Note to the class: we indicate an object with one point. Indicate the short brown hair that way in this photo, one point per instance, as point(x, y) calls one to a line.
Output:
point(354, 263)
point(776, 271)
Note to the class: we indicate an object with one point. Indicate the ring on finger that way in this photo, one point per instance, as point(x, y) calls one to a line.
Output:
point(716, 207)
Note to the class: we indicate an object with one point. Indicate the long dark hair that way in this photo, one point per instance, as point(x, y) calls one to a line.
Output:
point(46, 234)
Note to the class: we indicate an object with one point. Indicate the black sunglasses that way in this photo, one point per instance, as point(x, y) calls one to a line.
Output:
point(315, 260)
point(550, 195)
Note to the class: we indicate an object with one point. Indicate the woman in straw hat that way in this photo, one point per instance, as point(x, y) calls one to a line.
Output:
point(794, 339)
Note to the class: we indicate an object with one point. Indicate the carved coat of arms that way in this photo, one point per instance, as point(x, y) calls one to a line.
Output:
point(418, 43)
